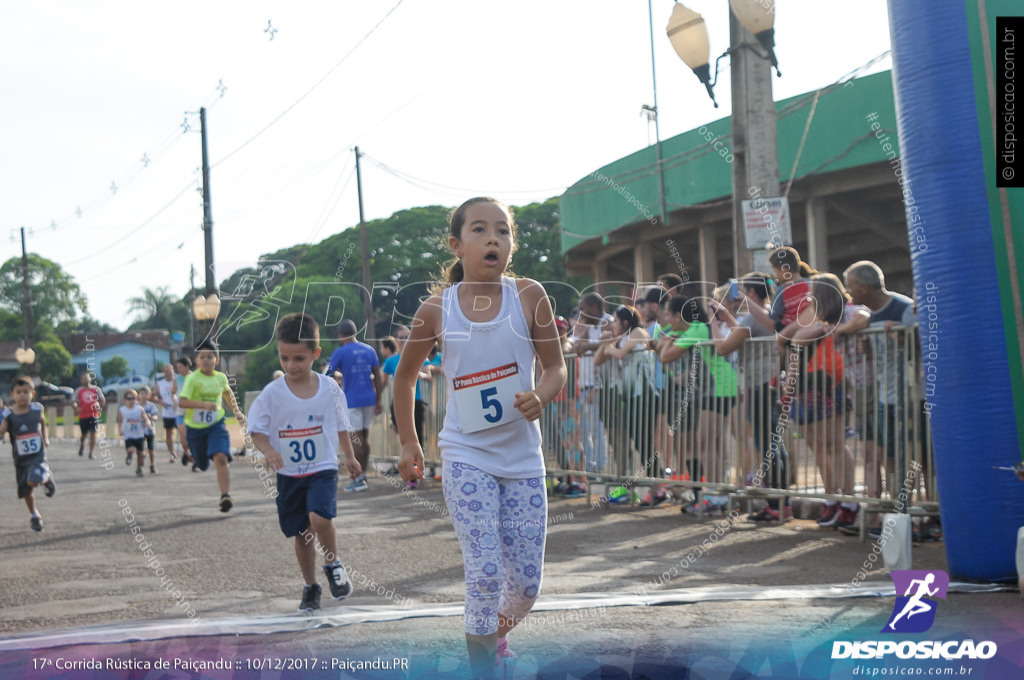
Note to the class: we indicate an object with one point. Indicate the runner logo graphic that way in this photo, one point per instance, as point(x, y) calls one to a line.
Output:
point(914, 612)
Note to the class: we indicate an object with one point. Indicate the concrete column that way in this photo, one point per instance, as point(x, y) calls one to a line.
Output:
point(643, 262)
point(817, 234)
point(708, 254)
point(601, 277)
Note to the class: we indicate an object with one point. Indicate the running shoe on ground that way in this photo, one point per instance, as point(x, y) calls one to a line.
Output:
point(138, 472)
point(829, 515)
point(847, 516)
point(408, 485)
point(36, 523)
point(310, 598)
point(337, 579)
point(152, 469)
point(356, 485)
point(226, 504)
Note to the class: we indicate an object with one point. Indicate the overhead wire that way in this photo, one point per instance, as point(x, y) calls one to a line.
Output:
point(311, 89)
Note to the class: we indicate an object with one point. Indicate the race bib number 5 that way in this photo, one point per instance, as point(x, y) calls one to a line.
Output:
point(305, 446)
point(27, 444)
point(487, 399)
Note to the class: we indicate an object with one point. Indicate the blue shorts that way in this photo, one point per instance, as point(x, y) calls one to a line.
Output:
point(30, 471)
point(180, 420)
point(299, 496)
point(206, 441)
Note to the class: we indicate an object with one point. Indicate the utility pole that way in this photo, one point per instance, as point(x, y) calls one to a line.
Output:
point(26, 295)
point(211, 285)
point(191, 304)
point(754, 135)
point(365, 252)
point(657, 130)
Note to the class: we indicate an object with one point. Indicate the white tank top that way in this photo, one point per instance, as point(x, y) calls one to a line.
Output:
point(485, 364)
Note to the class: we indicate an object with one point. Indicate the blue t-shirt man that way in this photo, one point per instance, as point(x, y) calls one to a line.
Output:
point(356, 361)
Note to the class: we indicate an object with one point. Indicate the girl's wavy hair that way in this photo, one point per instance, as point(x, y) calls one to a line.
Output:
point(453, 272)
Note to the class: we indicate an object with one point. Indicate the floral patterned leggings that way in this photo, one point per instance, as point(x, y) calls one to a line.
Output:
point(502, 525)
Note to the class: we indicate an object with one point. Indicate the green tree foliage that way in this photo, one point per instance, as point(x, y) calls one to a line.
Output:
point(55, 296)
point(156, 308)
point(85, 325)
point(53, 361)
point(114, 367)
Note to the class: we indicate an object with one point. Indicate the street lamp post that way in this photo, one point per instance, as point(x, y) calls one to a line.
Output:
point(755, 168)
point(26, 357)
point(206, 309)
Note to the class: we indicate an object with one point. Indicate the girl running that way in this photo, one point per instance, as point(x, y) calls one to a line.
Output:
point(491, 328)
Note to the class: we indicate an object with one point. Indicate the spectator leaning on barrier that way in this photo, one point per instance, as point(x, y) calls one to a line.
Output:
point(592, 325)
point(760, 367)
point(630, 388)
point(866, 285)
point(719, 381)
point(820, 405)
point(656, 316)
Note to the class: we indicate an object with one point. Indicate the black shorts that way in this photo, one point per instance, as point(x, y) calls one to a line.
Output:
point(150, 442)
point(87, 425)
point(30, 469)
point(721, 405)
point(170, 423)
point(136, 444)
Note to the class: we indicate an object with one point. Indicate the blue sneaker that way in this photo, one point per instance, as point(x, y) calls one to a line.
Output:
point(358, 484)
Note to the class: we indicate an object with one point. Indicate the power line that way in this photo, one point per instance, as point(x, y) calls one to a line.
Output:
point(310, 90)
point(462, 190)
point(121, 239)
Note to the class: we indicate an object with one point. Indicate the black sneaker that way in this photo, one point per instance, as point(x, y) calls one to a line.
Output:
point(225, 504)
point(128, 459)
point(310, 598)
point(152, 469)
point(50, 487)
point(139, 473)
point(80, 451)
point(337, 579)
point(36, 523)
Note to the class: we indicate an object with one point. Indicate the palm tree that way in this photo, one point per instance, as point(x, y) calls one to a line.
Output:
point(155, 305)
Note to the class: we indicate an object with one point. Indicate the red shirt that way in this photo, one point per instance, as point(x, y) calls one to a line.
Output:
point(88, 399)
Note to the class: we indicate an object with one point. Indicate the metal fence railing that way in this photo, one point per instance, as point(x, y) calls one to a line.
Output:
point(844, 419)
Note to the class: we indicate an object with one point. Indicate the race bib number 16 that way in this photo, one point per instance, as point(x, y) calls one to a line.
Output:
point(487, 399)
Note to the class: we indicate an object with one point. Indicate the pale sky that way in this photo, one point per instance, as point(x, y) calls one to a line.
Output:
point(517, 100)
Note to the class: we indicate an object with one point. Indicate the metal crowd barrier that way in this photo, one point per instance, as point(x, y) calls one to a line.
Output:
point(843, 420)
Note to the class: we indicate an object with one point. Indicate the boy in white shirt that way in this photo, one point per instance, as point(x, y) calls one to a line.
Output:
point(299, 423)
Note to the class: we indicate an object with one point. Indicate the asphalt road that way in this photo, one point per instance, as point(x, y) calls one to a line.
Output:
point(84, 586)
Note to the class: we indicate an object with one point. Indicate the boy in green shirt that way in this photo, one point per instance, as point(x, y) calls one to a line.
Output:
point(207, 437)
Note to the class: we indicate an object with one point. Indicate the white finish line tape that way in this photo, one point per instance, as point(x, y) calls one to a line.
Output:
point(266, 625)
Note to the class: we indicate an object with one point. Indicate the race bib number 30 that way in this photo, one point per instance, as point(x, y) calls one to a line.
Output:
point(305, 446)
point(487, 399)
point(28, 444)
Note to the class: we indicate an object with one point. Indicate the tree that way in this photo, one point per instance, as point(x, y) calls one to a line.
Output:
point(53, 360)
point(53, 292)
point(85, 325)
point(114, 367)
point(157, 308)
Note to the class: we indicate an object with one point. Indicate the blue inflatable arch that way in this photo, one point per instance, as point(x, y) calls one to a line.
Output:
point(967, 241)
